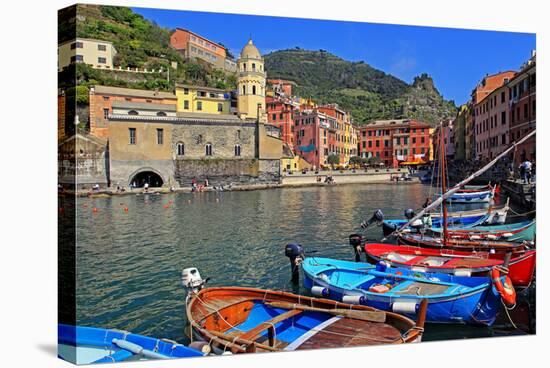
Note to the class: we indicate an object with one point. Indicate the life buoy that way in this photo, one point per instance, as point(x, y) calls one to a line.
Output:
point(506, 291)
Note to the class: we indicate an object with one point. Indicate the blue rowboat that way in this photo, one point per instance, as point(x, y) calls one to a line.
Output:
point(451, 299)
point(88, 345)
point(482, 196)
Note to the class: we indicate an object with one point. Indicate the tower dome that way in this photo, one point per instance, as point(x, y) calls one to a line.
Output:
point(250, 51)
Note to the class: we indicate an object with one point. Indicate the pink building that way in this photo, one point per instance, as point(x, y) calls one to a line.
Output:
point(490, 110)
point(311, 136)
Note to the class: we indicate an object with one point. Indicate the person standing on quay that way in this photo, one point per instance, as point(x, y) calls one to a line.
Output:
point(526, 171)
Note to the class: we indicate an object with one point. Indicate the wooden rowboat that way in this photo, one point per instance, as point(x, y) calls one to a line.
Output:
point(241, 320)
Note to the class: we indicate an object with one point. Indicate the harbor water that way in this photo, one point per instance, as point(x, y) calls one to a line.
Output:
point(131, 250)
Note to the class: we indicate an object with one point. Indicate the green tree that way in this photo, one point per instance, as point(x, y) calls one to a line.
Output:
point(333, 160)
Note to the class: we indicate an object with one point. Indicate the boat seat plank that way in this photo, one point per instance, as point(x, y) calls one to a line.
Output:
point(258, 330)
point(419, 288)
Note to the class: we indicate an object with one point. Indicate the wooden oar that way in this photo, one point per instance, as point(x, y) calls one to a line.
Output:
point(370, 316)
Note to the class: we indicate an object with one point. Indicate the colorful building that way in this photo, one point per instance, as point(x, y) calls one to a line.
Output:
point(522, 93)
point(101, 100)
point(312, 131)
point(280, 113)
point(339, 133)
point(394, 142)
point(97, 53)
point(194, 46)
point(486, 104)
point(202, 99)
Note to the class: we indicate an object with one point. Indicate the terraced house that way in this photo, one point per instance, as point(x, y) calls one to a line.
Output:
point(395, 142)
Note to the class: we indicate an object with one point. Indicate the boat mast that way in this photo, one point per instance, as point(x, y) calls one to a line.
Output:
point(443, 181)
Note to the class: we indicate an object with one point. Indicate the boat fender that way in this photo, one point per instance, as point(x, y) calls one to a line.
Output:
point(506, 289)
point(354, 299)
point(492, 237)
point(201, 346)
point(409, 307)
point(463, 272)
point(320, 291)
point(507, 235)
point(138, 350)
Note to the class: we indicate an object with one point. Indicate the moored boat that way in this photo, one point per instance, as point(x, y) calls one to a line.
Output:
point(472, 196)
point(515, 232)
point(240, 319)
point(468, 245)
point(89, 345)
point(521, 266)
point(494, 215)
point(451, 299)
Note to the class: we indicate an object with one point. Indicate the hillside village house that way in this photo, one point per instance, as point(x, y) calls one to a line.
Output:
point(97, 53)
point(194, 46)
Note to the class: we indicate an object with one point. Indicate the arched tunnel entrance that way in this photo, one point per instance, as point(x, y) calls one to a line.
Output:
point(150, 177)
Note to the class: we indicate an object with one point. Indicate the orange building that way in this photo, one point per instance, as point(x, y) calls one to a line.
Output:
point(101, 104)
point(280, 112)
point(393, 142)
point(192, 45)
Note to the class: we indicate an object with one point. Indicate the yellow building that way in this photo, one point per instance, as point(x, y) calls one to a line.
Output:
point(202, 99)
point(350, 141)
point(97, 53)
point(251, 83)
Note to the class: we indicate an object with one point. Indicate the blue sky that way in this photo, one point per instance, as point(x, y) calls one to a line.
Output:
point(457, 59)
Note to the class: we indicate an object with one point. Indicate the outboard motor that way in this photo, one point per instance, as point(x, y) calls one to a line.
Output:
point(296, 255)
point(355, 240)
point(377, 217)
point(192, 281)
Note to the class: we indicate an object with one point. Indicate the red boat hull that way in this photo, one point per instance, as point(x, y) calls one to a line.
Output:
point(521, 266)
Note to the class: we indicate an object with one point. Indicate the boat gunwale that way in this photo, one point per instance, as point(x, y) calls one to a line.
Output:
point(409, 330)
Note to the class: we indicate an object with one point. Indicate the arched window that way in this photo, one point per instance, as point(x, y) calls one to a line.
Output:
point(260, 67)
point(244, 66)
point(244, 90)
point(237, 150)
point(161, 113)
point(254, 66)
point(180, 148)
point(133, 112)
point(253, 90)
point(208, 149)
